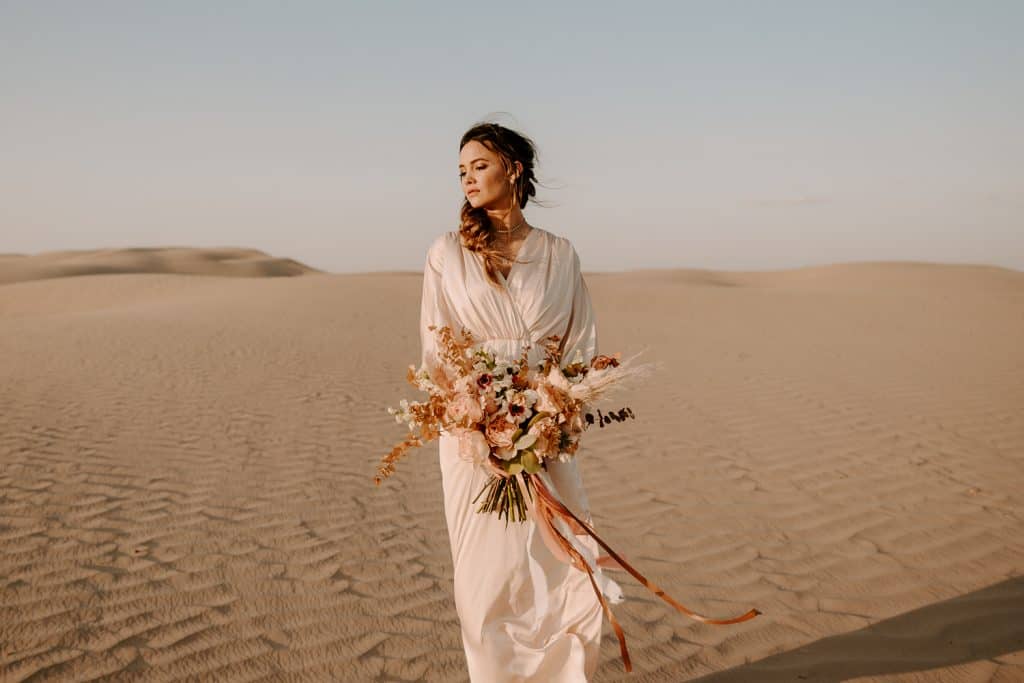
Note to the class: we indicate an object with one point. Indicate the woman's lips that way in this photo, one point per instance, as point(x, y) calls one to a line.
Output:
point(472, 192)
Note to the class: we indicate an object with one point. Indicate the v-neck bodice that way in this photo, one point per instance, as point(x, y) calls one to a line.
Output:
point(518, 257)
point(543, 295)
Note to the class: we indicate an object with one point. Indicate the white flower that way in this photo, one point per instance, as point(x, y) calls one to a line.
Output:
point(424, 383)
point(516, 405)
point(557, 379)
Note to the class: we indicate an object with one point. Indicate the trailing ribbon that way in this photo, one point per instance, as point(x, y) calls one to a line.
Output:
point(547, 507)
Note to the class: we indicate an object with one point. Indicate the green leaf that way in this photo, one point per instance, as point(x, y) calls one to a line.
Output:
point(525, 441)
point(531, 463)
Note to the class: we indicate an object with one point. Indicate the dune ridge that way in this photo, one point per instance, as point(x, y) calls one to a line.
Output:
point(223, 262)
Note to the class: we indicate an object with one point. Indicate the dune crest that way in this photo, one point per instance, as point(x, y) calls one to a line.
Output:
point(223, 262)
point(864, 276)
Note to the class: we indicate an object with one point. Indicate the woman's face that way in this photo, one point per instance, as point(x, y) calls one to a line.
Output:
point(484, 180)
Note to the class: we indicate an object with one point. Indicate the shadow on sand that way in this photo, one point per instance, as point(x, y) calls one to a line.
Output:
point(981, 625)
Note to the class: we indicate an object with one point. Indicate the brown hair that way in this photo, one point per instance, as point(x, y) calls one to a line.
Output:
point(475, 229)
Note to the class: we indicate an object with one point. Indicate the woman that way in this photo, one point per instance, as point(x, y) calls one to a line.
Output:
point(524, 615)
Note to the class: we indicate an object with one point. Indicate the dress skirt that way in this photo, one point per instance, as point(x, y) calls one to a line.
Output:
point(524, 615)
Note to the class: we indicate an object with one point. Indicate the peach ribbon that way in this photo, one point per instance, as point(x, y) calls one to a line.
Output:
point(547, 507)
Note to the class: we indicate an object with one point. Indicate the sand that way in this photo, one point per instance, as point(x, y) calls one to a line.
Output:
point(187, 460)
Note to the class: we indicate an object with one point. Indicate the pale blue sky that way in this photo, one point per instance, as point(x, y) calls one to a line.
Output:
point(729, 135)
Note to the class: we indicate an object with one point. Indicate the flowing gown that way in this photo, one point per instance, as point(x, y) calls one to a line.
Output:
point(524, 615)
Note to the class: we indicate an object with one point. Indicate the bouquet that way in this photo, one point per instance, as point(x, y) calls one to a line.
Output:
point(515, 419)
point(507, 415)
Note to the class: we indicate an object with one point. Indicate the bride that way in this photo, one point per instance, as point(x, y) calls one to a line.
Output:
point(524, 614)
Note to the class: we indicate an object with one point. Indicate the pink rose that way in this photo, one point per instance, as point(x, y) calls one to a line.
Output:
point(499, 434)
point(465, 410)
point(464, 406)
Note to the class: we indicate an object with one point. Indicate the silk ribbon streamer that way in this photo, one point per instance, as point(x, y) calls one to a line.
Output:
point(546, 507)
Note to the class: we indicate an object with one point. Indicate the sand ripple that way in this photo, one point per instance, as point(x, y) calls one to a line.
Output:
point(186, 477)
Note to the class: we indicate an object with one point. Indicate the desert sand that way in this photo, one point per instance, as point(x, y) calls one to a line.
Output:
point(188, 444)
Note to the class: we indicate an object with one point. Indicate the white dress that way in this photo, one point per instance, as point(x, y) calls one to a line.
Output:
point(524, 615)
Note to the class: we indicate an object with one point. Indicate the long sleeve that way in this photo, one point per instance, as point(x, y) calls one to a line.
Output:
point(581, 335)
point(581, 332)
point(434, 309)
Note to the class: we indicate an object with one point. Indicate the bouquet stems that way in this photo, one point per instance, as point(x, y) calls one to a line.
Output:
point(504, 495)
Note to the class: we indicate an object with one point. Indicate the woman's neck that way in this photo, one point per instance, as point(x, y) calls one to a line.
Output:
point(504, 222)
point(508, 232)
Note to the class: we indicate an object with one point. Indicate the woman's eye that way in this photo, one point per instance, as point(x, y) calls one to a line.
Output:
point(478, 168)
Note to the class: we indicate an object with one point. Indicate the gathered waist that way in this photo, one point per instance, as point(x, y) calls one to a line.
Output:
point(515, 339)
point(513, 347)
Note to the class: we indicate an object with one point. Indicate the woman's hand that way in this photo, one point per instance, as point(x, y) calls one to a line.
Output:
point(494, 465)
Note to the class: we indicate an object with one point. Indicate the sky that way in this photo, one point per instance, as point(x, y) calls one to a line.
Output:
point(722, 135)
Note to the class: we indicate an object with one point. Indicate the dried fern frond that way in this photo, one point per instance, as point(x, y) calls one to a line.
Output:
point(601, 383)
point(387, 467)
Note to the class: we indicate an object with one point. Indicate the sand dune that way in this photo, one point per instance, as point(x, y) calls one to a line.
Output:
point(227, 262)
point(186, 473)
